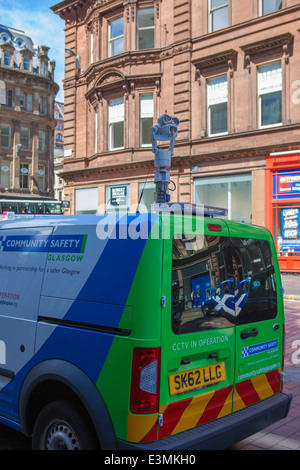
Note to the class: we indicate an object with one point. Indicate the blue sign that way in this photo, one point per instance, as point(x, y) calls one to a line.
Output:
point(259, 348)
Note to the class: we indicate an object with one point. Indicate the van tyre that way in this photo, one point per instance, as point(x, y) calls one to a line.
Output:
point(62, 425)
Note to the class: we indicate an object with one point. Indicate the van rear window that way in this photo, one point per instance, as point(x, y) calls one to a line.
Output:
point(218, 282)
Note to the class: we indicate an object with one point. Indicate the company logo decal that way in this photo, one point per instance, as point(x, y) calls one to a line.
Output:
point(44, 243)
point(259, 348)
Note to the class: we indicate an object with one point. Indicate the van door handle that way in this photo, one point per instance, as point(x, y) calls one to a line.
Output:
point(247, 334)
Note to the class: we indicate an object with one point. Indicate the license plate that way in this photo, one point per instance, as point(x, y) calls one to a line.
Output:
point(196, 378)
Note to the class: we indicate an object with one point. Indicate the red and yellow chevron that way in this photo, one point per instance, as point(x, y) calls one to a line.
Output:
point(191, 412)
point(253, 390)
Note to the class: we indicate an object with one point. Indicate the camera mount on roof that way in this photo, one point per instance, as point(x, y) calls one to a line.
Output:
point(166, 129)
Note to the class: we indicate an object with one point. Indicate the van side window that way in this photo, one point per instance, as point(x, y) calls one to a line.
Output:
point(202, 284)
point(255, 288)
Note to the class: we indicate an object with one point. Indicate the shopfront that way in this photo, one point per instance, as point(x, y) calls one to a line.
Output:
point(283, 207)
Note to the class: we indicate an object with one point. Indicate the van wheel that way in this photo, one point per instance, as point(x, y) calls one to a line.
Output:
point(62, 425)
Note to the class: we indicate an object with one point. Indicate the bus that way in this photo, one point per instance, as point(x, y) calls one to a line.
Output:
point(29, 207)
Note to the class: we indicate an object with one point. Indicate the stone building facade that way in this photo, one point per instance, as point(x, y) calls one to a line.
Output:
point(229, 70)
point(27, 93)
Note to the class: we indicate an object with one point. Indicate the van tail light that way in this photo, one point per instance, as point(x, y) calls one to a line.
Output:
point(144, 396)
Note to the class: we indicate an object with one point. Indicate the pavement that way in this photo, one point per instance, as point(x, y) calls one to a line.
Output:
point(285, 434)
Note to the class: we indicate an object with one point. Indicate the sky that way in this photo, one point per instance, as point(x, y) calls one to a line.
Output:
point(35, 18)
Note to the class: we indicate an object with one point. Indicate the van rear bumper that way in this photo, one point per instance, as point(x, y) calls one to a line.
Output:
point(223, 432)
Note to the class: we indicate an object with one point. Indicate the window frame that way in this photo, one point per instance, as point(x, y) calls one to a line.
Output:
point(22, 139)
point(24, 177)
point(112, 40)
point(141, 118)
point(110, 125)
point(259, 98)
point(210, 15)
point(144, 28)
point(209, 106)
point(6, 136)
point(261, 6)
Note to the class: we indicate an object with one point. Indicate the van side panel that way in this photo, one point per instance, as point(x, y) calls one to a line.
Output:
point(23, 255)
point(114, 382)
point(86, 313)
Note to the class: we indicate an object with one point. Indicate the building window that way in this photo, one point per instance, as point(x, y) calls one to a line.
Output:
point(25, 138)
point(2, 92)
point(24, 176)
point(41, 178)
point(29, 103)
point(42, 105)
point(22, 100)
point(42, 140)
point(96, 131)
point(5, 136)
point(116, 36)
point(116, 124)
point(44, 68)
point(217, 103)
point(146, 119)
point(218, 14)
point(268, 6)
point(145, 28)
point(92, 48)
point(7, 59)
point(270, 95)
point(10, 98)
point(233, 193)
point(86, 201)
point(26, 64)
point(5, 174)
point(59, 137)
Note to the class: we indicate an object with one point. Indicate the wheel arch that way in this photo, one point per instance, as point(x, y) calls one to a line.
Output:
point(53, 379)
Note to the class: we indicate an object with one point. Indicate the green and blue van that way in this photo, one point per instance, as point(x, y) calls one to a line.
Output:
point(105, 342)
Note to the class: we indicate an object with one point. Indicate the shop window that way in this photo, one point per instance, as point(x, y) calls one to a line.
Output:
point(146, 119)
point(268, 6)
point(117, 198)
point(5, 174)
point(147, 196)
point(233, 193)
point(217, 103)
point(116, 36)
point(41, 178)
point(5, 136)
point(116, 124)
point(145, 28)
point(86, 201)
point(270, 95)
point(24, 176)
point(25, 138)
point(218, 14)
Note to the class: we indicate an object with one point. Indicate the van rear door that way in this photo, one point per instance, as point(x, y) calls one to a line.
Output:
point(198, 333)
point(259, 318)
